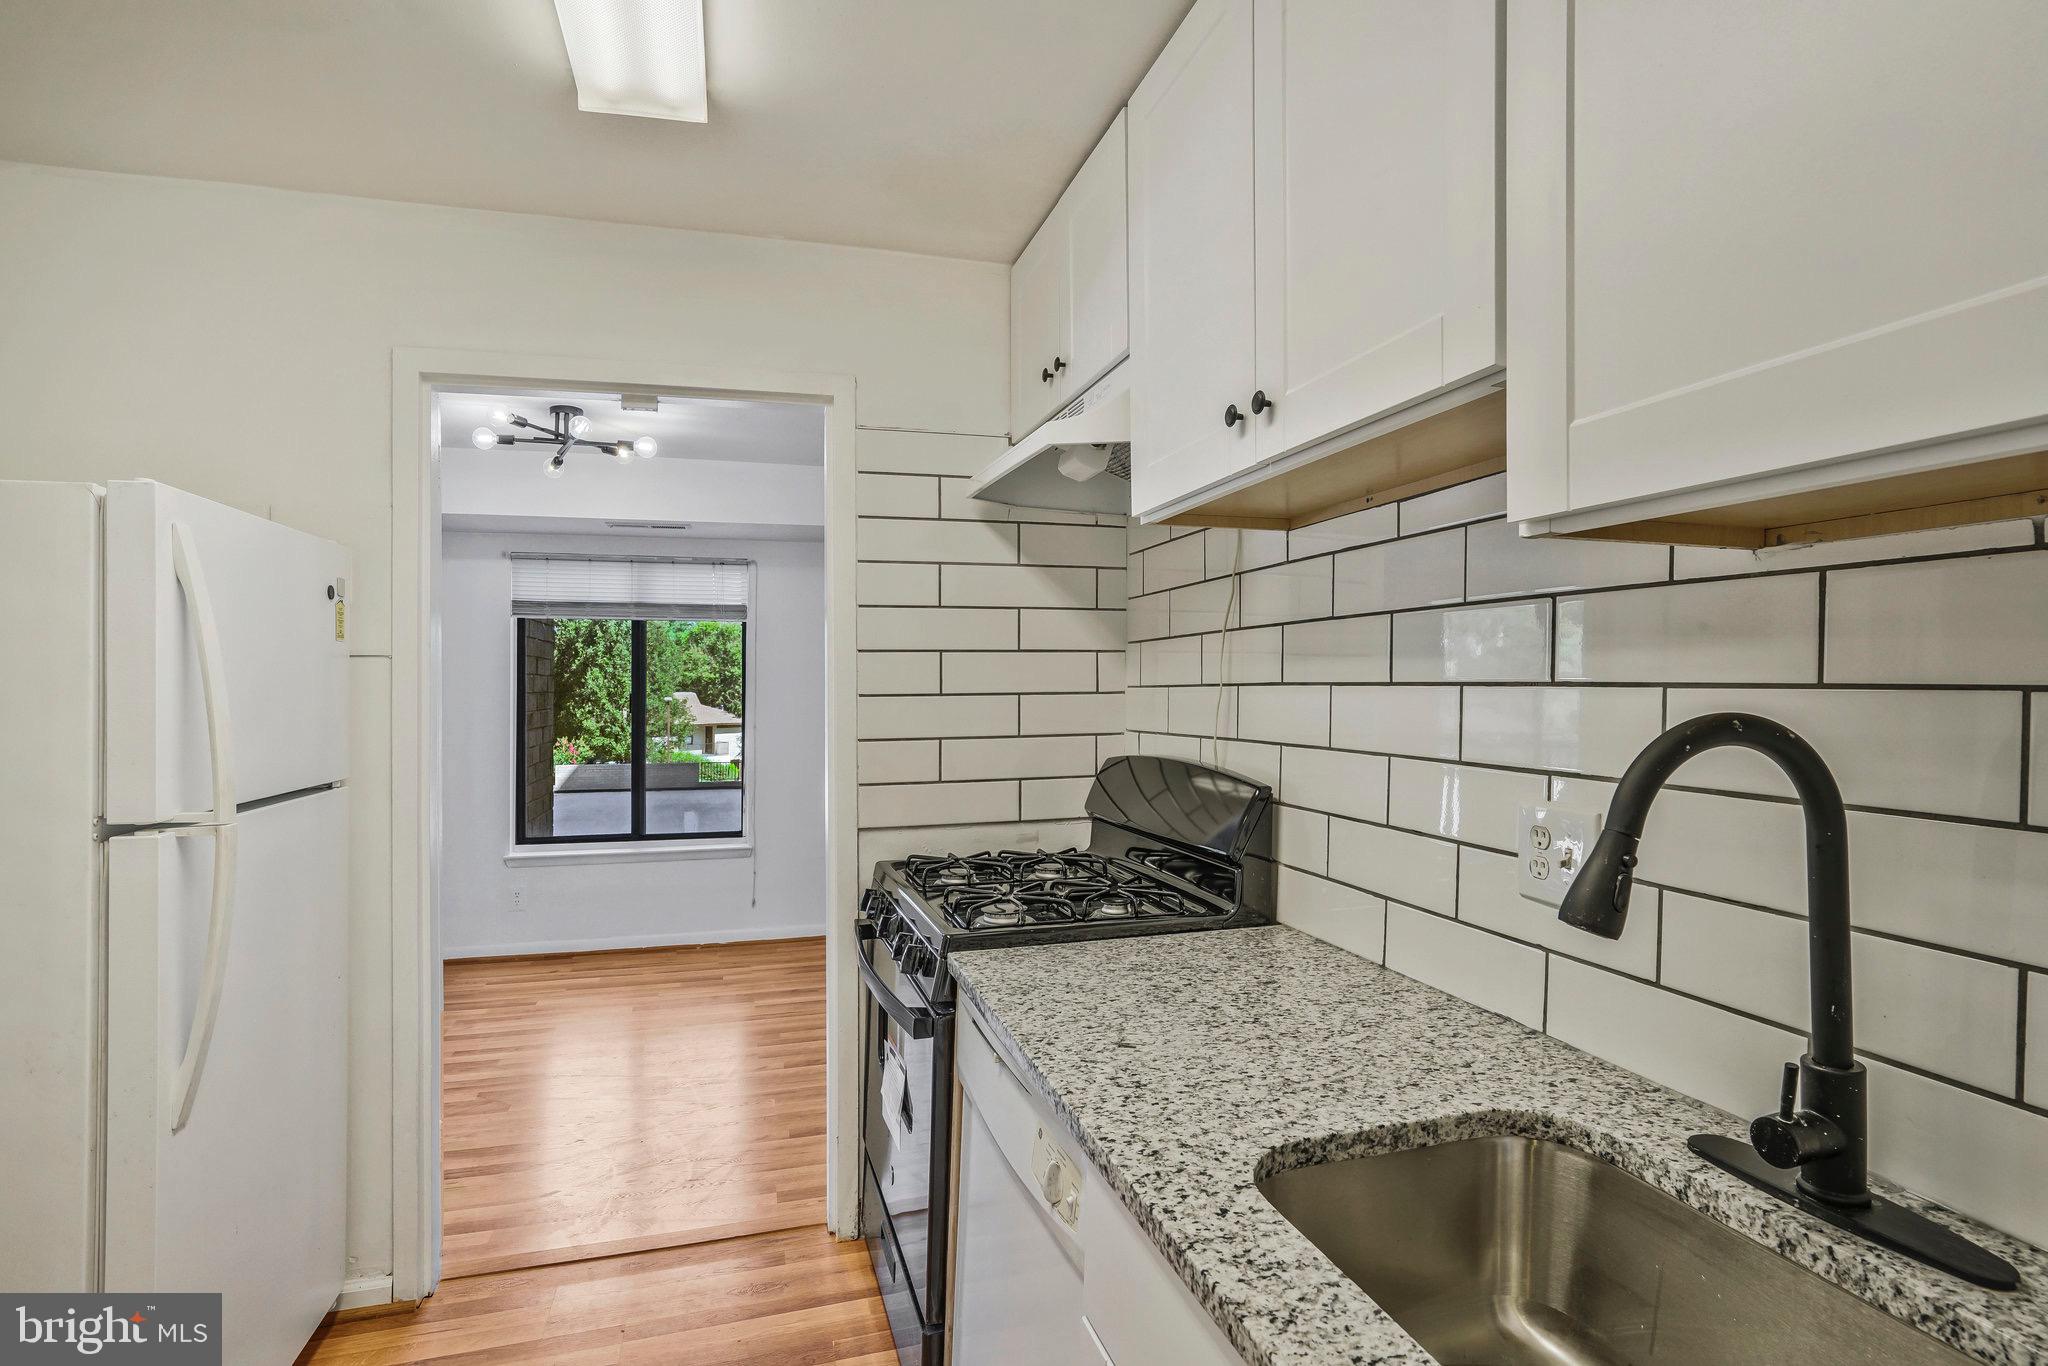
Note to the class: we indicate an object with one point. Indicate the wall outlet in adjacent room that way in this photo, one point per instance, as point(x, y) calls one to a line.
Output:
point(1551, 845)
point(518, 898)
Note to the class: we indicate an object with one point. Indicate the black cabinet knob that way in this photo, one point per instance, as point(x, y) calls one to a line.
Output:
point(1058, 365)
point(1260, 402)
point(1044, 376)
point(1231, 416)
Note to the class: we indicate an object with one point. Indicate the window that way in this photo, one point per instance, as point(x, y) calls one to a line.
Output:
point(631, 677)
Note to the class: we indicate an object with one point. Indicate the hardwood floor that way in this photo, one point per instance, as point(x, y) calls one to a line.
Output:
point(798, 1298)
point(602, 1103)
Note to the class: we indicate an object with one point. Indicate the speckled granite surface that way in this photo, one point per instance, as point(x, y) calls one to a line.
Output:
point(1188, 1065)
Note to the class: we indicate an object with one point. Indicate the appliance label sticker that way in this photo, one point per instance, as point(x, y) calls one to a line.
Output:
point(341, 619)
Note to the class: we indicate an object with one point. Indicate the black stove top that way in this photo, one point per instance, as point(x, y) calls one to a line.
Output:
point(1012, 888)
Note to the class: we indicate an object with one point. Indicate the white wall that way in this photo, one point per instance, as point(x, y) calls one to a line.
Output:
point(664, 489)
point(778, 891)
point(238, 342)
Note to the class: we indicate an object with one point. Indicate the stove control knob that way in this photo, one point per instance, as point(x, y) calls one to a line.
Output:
point(918, 961)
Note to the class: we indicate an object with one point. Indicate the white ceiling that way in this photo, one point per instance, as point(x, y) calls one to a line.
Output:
point(939, 126)
point(686, 428)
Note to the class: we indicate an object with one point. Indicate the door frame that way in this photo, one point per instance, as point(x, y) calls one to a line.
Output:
point(415, 758)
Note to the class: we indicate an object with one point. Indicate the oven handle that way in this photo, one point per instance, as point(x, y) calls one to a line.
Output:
point(919, 1022)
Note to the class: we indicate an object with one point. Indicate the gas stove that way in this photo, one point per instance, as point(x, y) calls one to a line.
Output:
point(1172, 847)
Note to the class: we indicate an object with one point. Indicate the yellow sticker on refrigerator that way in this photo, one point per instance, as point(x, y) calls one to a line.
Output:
point(341, 619)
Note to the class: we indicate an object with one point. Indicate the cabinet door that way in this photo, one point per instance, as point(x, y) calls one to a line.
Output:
point(1191, 257)
point(1038, 313)
point(1098, 278)
point(1378, 222)
point(1761, 235)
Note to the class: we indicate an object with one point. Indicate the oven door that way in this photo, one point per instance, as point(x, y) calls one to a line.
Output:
point(906, 1127)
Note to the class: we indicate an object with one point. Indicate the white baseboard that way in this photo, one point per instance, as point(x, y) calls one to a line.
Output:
point(364, 1291)
point(634, 941)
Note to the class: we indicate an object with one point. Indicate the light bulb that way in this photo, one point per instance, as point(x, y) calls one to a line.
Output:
point(483, 438)
point(554, 467)
point(644, 446)
point(623, 452)
point(578, 425)
point(501, 415)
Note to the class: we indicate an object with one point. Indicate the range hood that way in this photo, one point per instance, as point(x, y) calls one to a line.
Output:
point(1080, 460)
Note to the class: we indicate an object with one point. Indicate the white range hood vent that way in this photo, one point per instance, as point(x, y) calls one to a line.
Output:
point(1080, 460)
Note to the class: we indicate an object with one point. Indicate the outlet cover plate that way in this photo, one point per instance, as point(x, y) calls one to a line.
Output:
point(1551, 846)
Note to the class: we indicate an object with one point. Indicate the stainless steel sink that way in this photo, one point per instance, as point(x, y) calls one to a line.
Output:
point(1514, 1250)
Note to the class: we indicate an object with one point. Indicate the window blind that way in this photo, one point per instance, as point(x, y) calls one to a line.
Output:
point(636, 586)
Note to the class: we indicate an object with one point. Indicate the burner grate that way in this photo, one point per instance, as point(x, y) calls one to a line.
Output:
point(1011, 888)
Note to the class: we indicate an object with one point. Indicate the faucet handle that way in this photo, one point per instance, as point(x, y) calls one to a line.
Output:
point(1795, 1137)
point(1788, 1092)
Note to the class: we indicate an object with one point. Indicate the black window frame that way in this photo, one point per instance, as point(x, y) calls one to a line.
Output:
point(636, 708)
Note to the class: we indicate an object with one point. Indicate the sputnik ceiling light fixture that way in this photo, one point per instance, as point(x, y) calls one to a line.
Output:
point(566, 434)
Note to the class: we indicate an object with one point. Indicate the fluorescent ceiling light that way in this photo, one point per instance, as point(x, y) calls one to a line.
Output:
point(638, 57)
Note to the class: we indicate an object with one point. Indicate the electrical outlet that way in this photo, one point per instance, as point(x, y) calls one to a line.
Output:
point(518, 898)
point(1552, 845)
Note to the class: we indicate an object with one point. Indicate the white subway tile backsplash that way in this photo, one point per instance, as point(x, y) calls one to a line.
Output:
point(1099, 547)
point(1963, 1149)
point(1284, 592)
point(1015, 585)
point(957, 506)
point(1248, 758)
point(1342, 533)
point(1018, 671)
point(1141, 536)
point(1506, 642)
point(1109, 671)
point(1284, 713)
point(1500, 562)
point(1952, 753)
point(1201, 711)
point(1171, 662)
point(919, 628)
point(1568, 730)
point(1111, 588)
point(1223, 547)
point(2034, 1087)
point(1729, 847)
point(1070, 714)
point(1049, 798)
point(1468, 502)
point(896, 585)
point(889, 718)
point(2037, 764)
point(1726, 631)
point(891, 538)
point(1708, 1053)
point(1352, 920)
point(895, 672)
point(1145, 708)
point(1334, 781)
point(1301, 839)
point(1493, 973)
point(1471, 805)
point(1347, 650)
point(1254, 656)
point(1980, 888)
point(1069, 628)
point(925, 452)
point(1421, 572)
point(1145, 617)
point(1199, 607)
point(1421, 721)
point(937, 804)
point(1940, 1011)
point(1697, 562)
point(1489, 896)
point(1038, 756)
point(1940, 621)
point(895, 495)
point(897, 761)
point(1395, 864)
point(1170, 564)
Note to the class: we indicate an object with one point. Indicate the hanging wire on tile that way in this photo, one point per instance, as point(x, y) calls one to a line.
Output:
point(1223, 646)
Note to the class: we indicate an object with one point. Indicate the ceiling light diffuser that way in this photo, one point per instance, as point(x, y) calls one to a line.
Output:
point(644, 58)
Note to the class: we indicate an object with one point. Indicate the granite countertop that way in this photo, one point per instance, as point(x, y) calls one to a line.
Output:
point(1189, 1064)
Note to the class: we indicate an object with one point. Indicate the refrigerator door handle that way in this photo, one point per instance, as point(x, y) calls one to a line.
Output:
point(219, 822)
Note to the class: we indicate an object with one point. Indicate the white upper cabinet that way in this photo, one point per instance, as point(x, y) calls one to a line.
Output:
point(1378, 221)
point(1762, 248)
point(1315, 232)
point(1191, 258)
point(1069, 291)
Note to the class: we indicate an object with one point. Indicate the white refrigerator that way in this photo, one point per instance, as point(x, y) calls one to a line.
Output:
point(173, 901)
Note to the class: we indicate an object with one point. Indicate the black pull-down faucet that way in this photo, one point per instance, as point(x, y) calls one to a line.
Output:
point(1813, 1155)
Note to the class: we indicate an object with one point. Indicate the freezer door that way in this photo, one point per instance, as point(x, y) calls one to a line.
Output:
point(247, 1198)
point(49, 886)
point(282, 656)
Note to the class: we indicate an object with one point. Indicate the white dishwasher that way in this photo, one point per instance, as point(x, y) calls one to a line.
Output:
point(1017, 1258)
